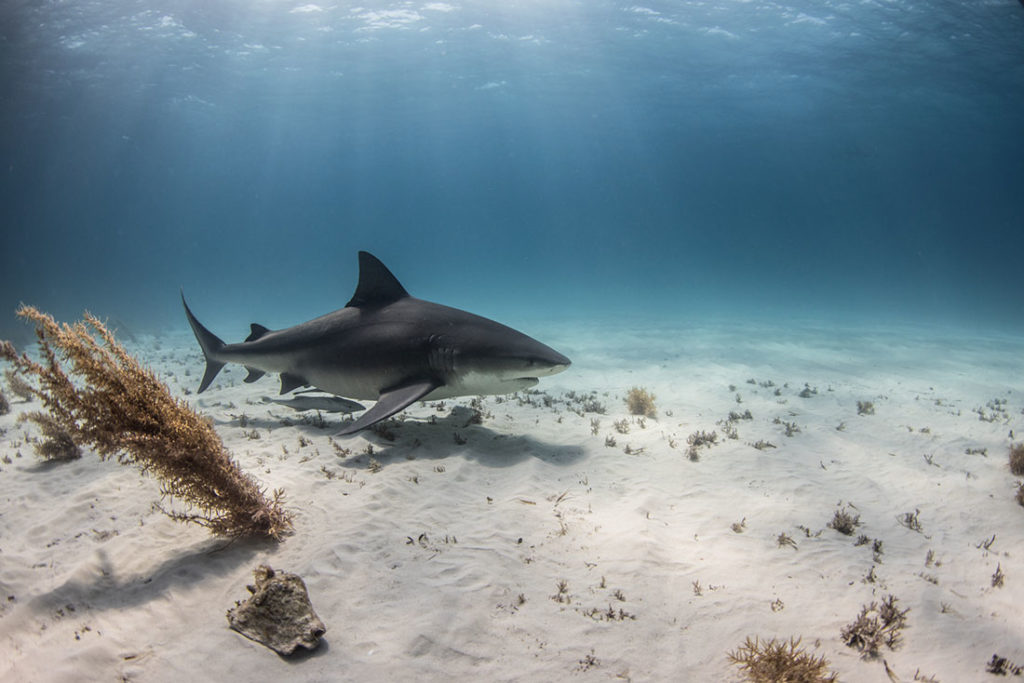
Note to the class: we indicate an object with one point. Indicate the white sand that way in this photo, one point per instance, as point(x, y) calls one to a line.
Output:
point(420, 570)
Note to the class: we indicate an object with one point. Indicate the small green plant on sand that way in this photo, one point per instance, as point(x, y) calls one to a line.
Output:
point(845, 522)
point(641, 402)
point(1017, 459)
point(119, 408)
point(1001, 666)
point(876, 626)
point(780, 661)
point(865, 408)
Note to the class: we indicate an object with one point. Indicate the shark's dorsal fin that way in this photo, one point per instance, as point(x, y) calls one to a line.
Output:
point(257, 332)
point(377, 286)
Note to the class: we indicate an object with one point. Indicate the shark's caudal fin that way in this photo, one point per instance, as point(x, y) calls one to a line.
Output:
point(377, 286)
point(210, 344)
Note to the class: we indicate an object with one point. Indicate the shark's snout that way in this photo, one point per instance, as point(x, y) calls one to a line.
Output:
point(551, 363)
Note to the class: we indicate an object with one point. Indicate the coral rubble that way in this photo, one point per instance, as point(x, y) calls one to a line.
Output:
point(278, 613)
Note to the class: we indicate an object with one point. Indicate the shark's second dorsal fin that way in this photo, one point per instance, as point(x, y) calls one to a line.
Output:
point(257, 332)
point(377, 286)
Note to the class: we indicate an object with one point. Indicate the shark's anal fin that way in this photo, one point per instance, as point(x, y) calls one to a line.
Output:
point(290, 381)
point(254, 374)
point(390, 402)
point(256, 331)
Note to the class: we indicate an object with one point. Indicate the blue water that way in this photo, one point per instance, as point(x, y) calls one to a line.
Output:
point(552, 158)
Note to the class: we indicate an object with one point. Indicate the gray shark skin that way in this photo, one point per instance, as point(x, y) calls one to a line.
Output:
point(387, 346)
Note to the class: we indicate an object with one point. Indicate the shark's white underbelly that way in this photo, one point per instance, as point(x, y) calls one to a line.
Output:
point(355, 385)
point(481, 385)
point(368, 385)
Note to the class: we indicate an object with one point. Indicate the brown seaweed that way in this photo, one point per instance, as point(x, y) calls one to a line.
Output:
point(119, 408)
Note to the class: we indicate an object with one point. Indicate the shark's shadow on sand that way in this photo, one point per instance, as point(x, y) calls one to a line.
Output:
point(101, 585)
point(435, 438)
point(456, 436)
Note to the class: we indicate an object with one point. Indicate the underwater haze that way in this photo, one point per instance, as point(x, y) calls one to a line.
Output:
point(536, 159)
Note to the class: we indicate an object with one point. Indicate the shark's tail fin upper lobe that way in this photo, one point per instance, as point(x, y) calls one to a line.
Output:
point(211, 345)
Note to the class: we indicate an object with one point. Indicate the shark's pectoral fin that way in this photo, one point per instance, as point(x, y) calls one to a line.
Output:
point(254, 374)
point(390, 402)
point(290, 381)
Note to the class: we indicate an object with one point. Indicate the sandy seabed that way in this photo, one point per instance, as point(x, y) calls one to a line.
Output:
point(549, 542)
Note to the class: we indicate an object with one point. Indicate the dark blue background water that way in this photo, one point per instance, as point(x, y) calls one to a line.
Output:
point(816, 159)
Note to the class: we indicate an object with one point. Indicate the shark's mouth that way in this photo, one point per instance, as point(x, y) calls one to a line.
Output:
point(487, 385)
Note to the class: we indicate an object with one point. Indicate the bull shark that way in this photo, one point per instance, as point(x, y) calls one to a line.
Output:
point(387, 346)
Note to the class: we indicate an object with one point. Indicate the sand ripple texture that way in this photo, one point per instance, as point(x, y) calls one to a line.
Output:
point(532, 537)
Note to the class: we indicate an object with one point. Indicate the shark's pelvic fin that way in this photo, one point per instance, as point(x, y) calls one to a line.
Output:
point(211, 345)
point(390, 402)
point(377, 286)
point(257, 332)
point(290, 381)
